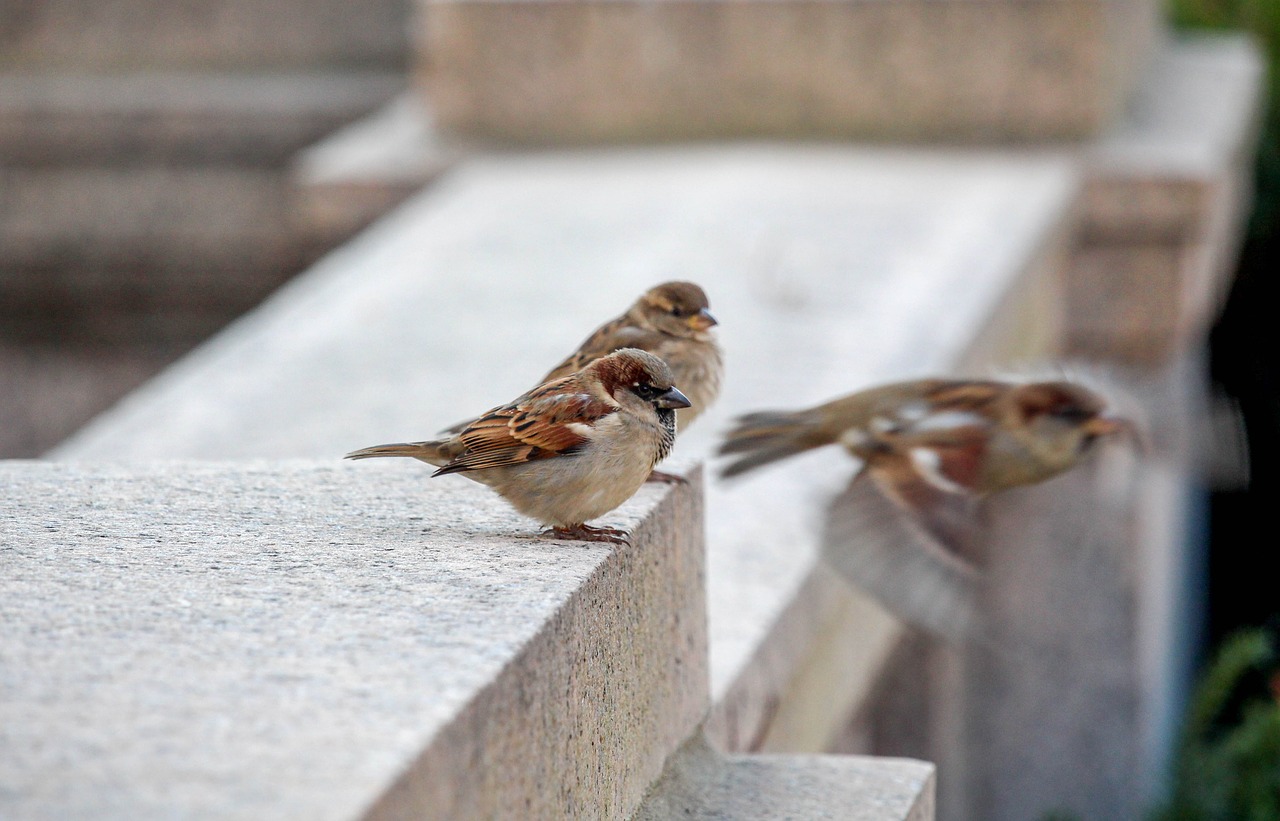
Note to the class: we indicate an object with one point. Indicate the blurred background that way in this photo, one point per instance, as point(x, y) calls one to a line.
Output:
point(149, 190)
point(165, 166)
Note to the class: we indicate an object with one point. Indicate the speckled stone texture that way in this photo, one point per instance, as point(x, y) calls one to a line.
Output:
point(703, 785)
point(334, 641)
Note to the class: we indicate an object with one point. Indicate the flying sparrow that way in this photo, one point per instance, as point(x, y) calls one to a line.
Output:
point(570, 450)
point(929, 449)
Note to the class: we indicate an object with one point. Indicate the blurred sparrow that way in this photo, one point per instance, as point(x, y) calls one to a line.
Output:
point(929, 449)
point(569, 450)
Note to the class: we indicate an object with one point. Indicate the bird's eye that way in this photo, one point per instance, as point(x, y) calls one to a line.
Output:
point(1073, 414)
point(646, 391)
point(676, 310)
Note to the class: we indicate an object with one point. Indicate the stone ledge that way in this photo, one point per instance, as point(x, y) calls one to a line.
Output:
point(301, 641)
point(702, 785)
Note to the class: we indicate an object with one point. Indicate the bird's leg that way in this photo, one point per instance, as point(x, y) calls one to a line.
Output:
point(587, 533)
point(666, 478)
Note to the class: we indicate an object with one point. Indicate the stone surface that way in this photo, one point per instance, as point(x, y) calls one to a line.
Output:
point(47, 391)
point(704, 785)
point(355, 175)
point(114, 35)
point(246, 117)
point(818, 663)
point(335, 641)
point(140, 256)
point(626, 71)
point(829, 268)
point(150, 208)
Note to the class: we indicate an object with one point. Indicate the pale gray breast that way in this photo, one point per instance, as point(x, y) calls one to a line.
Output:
point(698, 370)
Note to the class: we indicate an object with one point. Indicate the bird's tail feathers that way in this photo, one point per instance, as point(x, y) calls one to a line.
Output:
point(426, 451)
point(767, 436)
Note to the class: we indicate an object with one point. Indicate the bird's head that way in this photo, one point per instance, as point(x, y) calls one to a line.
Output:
point(634, 378)
point(676, 309)
point(1058, 422)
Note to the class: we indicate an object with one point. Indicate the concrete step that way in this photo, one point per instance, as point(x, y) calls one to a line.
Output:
point(600, 70)
point(115, 35)
point(701, 785)
point(49, 390)
point(137, 195)
point(135, 118)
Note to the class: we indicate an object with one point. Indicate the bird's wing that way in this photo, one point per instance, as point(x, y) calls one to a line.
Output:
point(609, 337)
point(885, 549)
point(547, 422)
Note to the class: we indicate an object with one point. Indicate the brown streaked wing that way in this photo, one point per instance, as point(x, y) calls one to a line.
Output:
point(888, 551)
point(536, 427)
point(947, 516)
point(608, 338)
point(963, 395)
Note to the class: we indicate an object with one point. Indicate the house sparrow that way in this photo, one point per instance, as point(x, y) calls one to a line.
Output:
point(929, 449)
point(672, 322)
point(570, 450)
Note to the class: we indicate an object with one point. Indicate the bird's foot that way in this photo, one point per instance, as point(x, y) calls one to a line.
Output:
point(587, 533)
point(666, 478)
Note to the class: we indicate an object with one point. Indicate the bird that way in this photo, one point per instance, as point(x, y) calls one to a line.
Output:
point(672, 321)
point(929, 450)
point(570, 450)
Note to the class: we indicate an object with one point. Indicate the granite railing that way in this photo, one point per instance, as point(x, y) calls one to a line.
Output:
point(236, 634)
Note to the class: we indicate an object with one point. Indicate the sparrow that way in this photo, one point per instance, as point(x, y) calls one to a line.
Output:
point(672, 322)
point(571, 449)
point(929, 450)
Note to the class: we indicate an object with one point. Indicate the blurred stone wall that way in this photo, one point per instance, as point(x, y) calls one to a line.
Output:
point(145, 196)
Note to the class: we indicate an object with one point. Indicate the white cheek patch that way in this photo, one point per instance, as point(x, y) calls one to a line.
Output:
point(882, 424)
point(947, 420)
point(913, 412)
point(929, 465)
point(854, 438)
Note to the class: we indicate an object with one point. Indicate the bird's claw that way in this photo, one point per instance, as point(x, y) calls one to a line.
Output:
point(666, 478)
point(587, 533)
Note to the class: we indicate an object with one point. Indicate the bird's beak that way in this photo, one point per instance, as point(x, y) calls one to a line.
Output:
point(1110, 425)
point(673, 399)
point(702, 320)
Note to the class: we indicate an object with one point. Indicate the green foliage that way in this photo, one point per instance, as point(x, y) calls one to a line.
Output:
point(1228, 766)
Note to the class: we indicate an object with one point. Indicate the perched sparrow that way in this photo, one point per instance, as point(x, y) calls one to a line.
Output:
point(929, 449)
point(670, 321)
point(569, 450)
